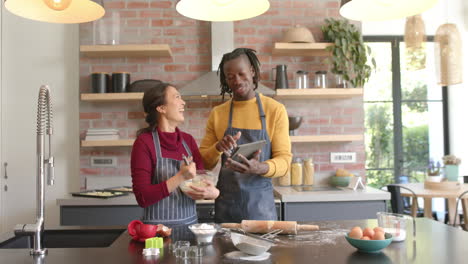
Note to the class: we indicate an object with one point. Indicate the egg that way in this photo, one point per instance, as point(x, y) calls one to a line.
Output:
point(368, 232)
point(379, 236)
point(356, 232)
point(365, 238)
point(378, 228)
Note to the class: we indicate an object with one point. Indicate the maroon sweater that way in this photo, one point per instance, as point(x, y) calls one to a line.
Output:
point(143, 162)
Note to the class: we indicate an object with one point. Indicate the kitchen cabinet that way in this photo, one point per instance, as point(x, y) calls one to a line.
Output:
point(78, 211)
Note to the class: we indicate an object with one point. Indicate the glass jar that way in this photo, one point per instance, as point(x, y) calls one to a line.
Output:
point(285, 180)
point(296, 172)
point(309, 171)
point(321, 79)
point(340, 81)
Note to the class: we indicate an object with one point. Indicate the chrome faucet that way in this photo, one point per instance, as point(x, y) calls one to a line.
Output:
point(44, 166)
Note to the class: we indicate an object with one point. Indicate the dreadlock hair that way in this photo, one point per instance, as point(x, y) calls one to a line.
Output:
point(152, 98)
point(254, 62)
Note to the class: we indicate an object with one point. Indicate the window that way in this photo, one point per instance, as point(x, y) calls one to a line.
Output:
point(404, 115)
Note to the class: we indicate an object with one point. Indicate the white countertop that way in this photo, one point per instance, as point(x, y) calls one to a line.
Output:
point(290, 195)
point(122, 200)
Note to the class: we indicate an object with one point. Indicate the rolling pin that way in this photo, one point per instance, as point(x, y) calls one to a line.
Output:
point(263, 226)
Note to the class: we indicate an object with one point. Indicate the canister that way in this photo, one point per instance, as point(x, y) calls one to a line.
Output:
point(120, 82)
point(309, 171)
point(321, 79)
point(100, 82)
point(296, 172)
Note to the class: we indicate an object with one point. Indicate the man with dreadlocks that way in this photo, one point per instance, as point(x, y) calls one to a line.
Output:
point(246, 191)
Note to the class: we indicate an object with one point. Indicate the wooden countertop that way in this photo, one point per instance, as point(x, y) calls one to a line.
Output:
point(434, 243)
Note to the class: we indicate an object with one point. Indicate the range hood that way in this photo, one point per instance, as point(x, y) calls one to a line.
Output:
point(222, 41)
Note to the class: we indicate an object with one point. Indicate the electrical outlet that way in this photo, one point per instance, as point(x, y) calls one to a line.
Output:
point(103, 161)
point(342, 157)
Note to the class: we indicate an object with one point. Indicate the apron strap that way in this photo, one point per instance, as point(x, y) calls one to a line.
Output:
point(260, 111)
point(157, 144)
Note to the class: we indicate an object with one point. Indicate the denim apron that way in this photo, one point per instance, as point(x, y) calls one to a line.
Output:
point(245, 196)
point(177, 210)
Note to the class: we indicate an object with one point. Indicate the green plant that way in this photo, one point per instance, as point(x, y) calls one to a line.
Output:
point(349, 52)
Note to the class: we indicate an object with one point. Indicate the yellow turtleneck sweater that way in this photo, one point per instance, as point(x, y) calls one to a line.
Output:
point(246, 116)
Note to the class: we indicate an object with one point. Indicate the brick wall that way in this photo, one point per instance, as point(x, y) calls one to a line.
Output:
point(158, 22)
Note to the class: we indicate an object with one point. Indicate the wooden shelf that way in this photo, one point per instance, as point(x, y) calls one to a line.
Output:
point(294, 139)
point(113, 97)
point(301, 49)
point(107, 143)
point(326, 138)
point(103, 97)
point(315, 93)
point(133, 50)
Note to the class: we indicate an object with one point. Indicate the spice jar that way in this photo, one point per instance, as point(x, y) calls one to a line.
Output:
point(308, 171)
point(296, 172)
point(285, 180)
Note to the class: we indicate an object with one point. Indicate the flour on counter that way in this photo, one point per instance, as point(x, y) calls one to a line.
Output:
point(319, 237)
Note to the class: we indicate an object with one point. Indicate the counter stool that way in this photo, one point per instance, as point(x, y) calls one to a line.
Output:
point(465, 211)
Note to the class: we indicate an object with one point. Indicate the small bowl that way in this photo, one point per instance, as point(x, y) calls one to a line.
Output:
point(204, 232)
point(250, 245)
point(370, 246)
point(294, 122)
point(342, 181)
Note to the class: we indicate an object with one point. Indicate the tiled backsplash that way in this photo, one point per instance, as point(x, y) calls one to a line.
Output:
point(158, 22)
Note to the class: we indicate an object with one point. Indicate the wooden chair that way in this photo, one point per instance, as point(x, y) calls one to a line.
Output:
point(465, 211)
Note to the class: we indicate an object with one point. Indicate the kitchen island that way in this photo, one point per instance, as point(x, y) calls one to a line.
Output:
point(434, 243)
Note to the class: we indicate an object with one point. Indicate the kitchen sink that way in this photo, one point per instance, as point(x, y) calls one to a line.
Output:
point(67, 239)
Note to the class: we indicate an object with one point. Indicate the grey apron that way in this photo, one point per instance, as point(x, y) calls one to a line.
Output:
point(245, 196)
point(177, 210)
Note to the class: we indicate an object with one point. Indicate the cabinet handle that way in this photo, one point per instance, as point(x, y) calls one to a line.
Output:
point(6, 174)
point(5, 188)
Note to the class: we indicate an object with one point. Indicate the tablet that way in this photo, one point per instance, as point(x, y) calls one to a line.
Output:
point(247, 150)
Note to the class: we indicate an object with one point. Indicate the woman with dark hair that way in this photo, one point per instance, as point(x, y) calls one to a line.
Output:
point(156, 161)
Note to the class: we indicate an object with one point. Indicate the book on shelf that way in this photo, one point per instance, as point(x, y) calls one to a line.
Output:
point(101, 137)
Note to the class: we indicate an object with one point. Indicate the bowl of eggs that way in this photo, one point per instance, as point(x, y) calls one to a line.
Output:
point(369, 240)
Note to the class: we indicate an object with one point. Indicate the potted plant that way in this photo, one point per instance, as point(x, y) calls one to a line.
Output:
point(451, 163)
point(349, 53)
point(433, 169)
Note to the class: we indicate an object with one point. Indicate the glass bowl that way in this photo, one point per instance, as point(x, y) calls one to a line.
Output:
point(204, 232)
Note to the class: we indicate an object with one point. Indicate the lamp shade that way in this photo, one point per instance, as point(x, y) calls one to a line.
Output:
point(448, 55)
point(375, 10)
point(415, 43)
point(222, 10)
point(77, 11)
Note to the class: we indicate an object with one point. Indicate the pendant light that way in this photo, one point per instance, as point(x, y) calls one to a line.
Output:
point(56, 11)
point(448, 55)
point(415, 42)
point(375, 10)
point(222, 10)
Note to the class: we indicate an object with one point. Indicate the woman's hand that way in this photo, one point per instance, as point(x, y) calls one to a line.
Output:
point(188, 171)
point(228, 143)
point(209, 192)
